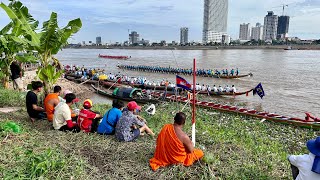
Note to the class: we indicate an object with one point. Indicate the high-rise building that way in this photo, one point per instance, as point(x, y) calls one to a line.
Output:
point(244, 33)
point(215, 20)
point(270, 26)
point(184, 35)
point(283, 26)
point(133, 37)
point(257, 32)
point(98, 41)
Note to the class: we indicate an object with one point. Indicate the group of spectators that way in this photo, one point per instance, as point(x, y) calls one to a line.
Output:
point(173, 145)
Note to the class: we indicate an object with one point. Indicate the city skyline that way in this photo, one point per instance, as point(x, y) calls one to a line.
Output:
point(157, 20)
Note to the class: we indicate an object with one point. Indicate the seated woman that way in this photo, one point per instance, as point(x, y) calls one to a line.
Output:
point(110, 119)
point(126, 129)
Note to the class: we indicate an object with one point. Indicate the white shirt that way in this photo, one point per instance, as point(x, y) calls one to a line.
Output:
point(234, 89)
point(204, 88)
point(209, 88)
point(215, 89)
point(304, 164)
point(227, 89)
point(62, 113)
point(220, 89)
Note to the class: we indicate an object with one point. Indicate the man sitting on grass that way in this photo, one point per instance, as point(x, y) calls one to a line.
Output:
point(34, 111)
point(110, 119)
point(126, 128)
point(62, 115)
point(51, 101)
point(174, 146)
point(307, 166)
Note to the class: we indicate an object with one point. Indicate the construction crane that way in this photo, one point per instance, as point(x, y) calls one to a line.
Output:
point(283, 6)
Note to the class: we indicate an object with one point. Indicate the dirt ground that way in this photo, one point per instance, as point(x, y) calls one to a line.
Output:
point(81, 91)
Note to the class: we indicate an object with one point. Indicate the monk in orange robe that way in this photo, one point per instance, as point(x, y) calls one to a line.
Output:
point(174, 146)
point(51, 101)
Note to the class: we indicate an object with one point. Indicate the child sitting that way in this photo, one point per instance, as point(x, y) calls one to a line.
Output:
point(87, 119)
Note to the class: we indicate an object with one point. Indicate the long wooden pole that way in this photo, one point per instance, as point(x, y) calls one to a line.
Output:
point(194, 104)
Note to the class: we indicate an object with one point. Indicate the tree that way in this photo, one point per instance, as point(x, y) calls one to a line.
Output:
point(48, 42)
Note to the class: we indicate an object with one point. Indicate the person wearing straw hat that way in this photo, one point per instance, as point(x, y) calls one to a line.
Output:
point(307, 166)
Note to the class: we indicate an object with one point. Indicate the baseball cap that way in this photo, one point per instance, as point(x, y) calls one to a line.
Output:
point(132, 105)
point(87, 103)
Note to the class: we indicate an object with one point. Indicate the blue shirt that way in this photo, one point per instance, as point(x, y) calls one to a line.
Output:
point(107, 125)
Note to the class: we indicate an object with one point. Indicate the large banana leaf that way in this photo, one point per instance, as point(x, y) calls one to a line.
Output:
point(49, 74)
point(53, 38)
point(23, 21)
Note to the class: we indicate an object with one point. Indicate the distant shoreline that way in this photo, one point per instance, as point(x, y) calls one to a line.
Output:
point(279, 47)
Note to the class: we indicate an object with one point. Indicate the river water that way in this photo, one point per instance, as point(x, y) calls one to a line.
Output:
point(290, 78)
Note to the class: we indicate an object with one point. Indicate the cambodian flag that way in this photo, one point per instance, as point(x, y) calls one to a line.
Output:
point(181, 82)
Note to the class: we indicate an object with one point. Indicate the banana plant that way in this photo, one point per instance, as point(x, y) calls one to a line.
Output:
point(48, 42)
point(52, 39)
point(10, 44)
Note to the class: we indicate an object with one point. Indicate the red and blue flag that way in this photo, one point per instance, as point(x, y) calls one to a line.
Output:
point(181, 82)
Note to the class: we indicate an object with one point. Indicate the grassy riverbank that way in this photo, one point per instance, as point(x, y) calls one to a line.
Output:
point(235, 147)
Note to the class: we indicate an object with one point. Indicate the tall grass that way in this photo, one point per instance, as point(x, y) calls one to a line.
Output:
point(11, 98)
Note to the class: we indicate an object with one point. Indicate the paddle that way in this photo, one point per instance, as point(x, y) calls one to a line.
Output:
point(85, 81)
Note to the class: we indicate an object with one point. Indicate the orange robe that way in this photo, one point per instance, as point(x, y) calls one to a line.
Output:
point(170, 150)
point(50, 108)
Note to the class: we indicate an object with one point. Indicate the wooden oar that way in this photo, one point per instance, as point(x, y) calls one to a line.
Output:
point(85, 81)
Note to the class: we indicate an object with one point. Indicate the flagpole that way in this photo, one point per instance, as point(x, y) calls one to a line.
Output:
point(194, 104)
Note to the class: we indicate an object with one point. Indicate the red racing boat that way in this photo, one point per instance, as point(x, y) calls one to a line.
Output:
point(114, 57)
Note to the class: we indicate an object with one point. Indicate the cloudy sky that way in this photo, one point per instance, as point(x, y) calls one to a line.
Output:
point(157, 20)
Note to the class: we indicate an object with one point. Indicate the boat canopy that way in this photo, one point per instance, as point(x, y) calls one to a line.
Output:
point(126, 92)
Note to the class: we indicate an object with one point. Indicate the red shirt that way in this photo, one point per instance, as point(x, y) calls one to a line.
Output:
point(85, 119)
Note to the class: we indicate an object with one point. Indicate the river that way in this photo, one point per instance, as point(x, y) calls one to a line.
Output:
point(290, 78)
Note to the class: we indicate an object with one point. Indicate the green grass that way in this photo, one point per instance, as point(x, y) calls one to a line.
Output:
point(11, 98)
point(235, 147)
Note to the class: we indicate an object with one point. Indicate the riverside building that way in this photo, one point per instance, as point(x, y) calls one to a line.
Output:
point(215, 20)
point(270, 26)
point(98, 41)
point(257, 32)
point(133, 37)
point(184, 33)
point(244, 33)
point(283, 26)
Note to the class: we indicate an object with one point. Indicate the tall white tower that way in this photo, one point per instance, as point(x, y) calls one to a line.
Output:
point(215, 20)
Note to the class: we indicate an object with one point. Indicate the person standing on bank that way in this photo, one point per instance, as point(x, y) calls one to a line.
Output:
point(16, 75)
point(34, 111)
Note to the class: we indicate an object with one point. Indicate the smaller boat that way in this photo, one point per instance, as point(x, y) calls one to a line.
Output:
point(288, 48)
point(126, 94)
point(114, 57)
